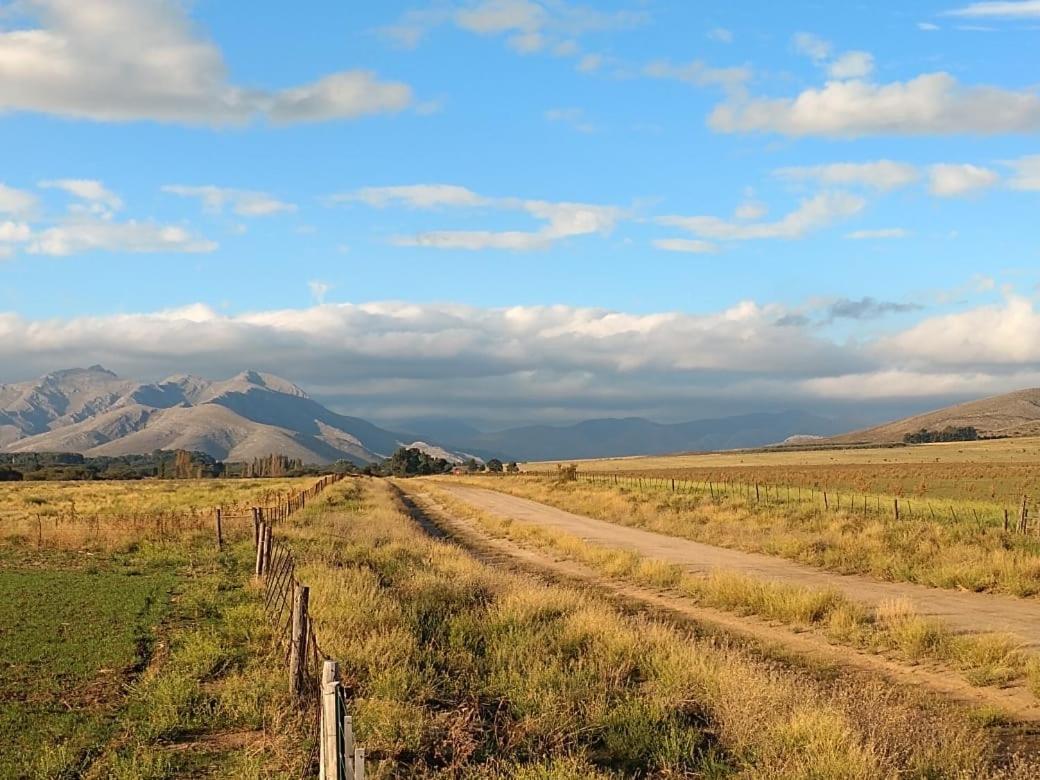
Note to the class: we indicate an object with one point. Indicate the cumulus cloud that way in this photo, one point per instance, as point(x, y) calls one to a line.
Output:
point(86, 235)
point(812, 214)
point(98, 198)
point(951, 180)
point(574, 118)
point(381, 358)
point(562, 219)
point(124, 60)
point(1006, 9)
point(931, 104)
point(879, 174)
point(14, 201)
point(245, 203)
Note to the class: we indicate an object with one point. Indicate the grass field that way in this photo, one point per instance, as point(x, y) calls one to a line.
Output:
point(128, 653)
point(461, 670)
point(997, 471)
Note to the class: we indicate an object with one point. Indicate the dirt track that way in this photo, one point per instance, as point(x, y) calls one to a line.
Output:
point(776, 640)
point(962, 610)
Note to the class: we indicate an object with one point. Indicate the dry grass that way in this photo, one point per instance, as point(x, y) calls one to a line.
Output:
point(105, 515)
point(983, 659)
point(938, 552)
point(458, 670)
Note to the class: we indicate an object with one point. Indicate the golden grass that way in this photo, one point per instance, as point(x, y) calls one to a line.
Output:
point(458, 670)
point(109, 514)
point(983, 659)
point(937, 552)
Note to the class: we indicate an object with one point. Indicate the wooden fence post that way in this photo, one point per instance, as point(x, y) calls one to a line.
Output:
point(359, 764)
point(256, 527)
point(1006, 521)
point(328, 758)
point(220, 530)
point(348, 737)
point(1023, 516)
point(895, 506)
point(298, 640)
point(268, 540)
point(261, 543)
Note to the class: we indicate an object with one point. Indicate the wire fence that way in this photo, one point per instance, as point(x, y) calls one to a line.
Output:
point(312, 674)
point(1011, 517)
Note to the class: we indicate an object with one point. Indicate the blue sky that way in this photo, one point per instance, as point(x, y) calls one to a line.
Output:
point(855, 183)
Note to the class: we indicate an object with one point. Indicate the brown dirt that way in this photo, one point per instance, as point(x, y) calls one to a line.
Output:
point(773, 639)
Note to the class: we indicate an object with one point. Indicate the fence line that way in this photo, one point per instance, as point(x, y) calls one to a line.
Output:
point(311, 673)
point(1016, 519)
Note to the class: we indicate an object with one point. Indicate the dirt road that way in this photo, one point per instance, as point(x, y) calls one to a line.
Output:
point(961, 610)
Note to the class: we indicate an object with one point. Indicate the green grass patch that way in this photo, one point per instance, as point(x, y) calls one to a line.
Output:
point(69, 640)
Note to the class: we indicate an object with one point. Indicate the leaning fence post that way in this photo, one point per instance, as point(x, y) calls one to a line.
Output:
point(220, 530)
point(260, 544)
point(298, 640)
point(329, 737)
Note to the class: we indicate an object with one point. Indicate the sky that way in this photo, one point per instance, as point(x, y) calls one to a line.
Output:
point(528, 210)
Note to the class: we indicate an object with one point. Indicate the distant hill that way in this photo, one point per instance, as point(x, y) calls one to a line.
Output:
point(1012, 414)
point(94, 412)
point(613, 437)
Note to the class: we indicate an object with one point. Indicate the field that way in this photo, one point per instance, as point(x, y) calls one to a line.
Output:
point(998, 471)
point(131, 647)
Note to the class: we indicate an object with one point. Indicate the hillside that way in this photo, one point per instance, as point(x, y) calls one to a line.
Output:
point(94, 412)
point(1012, 414)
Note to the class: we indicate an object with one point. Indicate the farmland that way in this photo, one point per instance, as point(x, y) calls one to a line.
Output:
point(997, 471)
point(131, 646)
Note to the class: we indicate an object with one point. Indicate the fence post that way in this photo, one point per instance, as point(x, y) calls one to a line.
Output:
point(1023, 516)
point(895, 505)
point(298, 640)
point(359, 764)
point(256, 527)
point(220, 530)
point(267, 548)
point(1006, 524)
point(260, 544)
point(348, 736)
point(328, 758)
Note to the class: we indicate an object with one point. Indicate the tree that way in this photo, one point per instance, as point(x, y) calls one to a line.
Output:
point(495, 466)
point(512, 468)
point(471, 466)
point(9, 475)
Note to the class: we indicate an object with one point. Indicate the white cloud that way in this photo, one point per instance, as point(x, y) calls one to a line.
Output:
point(77, 236)
point(812, 214)
point(951, 180)
point(721, 34)
point(419, 196)
point(100, 199)
point(124, 60)
point(562, 219)
point(880, 174)
point(14, 232)
point(1026, 173)
point(699, 74)
point(689, 245)
point(852, 65)
point(528, 26)
point(245, 203)
point(14, 201)
point(927, 26)
point(374, 357)
point(1010, 9)
point(590, 63)
point(883, 233)
point(319, 290)
point(812, 46)
point(931, 104)
point(751, 210)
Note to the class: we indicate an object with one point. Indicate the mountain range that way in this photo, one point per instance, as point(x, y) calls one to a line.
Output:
point(94, 412)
